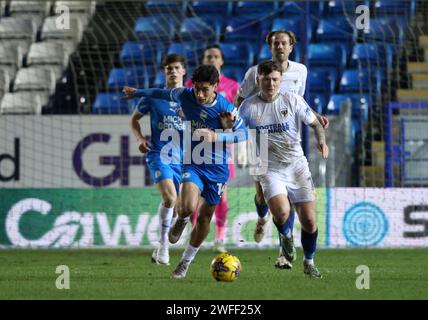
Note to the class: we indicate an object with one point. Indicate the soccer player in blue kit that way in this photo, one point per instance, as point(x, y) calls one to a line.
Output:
point(164, 115)
point(205, 169)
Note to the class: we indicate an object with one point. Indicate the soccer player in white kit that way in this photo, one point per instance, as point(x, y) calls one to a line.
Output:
point(293, 80)
point(287, 176)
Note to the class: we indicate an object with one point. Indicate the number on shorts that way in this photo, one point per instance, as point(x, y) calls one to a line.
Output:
point(220, 188)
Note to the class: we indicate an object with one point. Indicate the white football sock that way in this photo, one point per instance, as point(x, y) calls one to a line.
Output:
point(308, 261)
point(165, 217)
point(190, 253)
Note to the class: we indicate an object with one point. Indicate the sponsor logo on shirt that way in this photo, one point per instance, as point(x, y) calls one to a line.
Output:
point(284, 112)
point(203, 115)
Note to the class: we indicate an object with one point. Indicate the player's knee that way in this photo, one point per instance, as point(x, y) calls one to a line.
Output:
point(280, 216)
point(187, 209)
point(309, 225)
point(169, 201)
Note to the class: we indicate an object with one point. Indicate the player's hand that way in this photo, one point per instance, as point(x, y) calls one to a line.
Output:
point(323, 148)
point(227, 120)
point(323, 120)
point(143, 145)
point(128, 92)
point(207, 134)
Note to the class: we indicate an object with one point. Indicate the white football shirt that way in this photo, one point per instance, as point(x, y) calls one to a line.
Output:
point(293, 80)
point(281, 120)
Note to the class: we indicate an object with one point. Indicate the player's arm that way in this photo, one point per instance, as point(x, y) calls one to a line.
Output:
point(320, 136)
point(155, 93)
point(237, 101)
point(305, 114)
point(143, 144)
point(323, 120)
point(237, 133)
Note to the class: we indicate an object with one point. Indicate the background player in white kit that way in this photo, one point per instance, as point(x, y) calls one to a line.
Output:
point(287, 173)
point(293, 80)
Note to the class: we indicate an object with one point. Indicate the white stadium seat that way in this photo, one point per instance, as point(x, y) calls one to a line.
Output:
point(18, 28)
point(4, 82)
point(21, 102)
point(43, 7)
point(50, 30)
point(2, 7)
point(42, 79)
point(76, 6)
point(47, 53)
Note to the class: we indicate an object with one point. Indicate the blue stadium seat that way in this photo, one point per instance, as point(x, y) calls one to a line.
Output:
point(333, 75)
point(264, 53)
point(360, 104)
point(321, 81)
point(134, 77)
point(343, 8)
point(134, 52)
point(168, 7)
point(318, 101)
point(245, 28)
point(372, 55)
point(234, 72)
point(223, 8)
point(289, 8)
point(191, 50)
point(361, 80)
point(251, 7)
point(293, 24)
point(387, 29)
point(156, 27)
point(336, 29)
point(327, 55)
point(109, 103)
point(194, 29)
point(241, 54)
point(395, 8)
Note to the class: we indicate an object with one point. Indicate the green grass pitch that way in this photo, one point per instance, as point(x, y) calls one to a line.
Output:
point(129, 274)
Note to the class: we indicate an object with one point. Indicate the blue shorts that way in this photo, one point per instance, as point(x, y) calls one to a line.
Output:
point(160, 171)
point(211, 189)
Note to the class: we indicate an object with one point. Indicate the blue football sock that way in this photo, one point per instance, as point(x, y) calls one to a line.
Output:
point(290, 222)
point(309, 243)
point(282, 228)
point(262, 209)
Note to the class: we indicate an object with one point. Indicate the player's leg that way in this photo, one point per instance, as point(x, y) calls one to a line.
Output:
point(211, 194)
point(309, 235)
point(189, 196)
point(168, 193)
point(262, 211)
point(194, 215)
point(220, 222)
point(304, 200)
point(286, 244)
point(197, 237)
point(275, 192)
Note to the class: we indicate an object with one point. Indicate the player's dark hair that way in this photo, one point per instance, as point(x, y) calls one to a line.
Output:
point(214, 46)
point(290, 34)
point(268, 66)
point(173, 58)
point(205, 73)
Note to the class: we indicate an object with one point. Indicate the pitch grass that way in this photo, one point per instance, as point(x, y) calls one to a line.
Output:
point(129, 274)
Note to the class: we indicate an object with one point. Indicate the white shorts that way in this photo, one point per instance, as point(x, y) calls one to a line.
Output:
point(293, 180)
